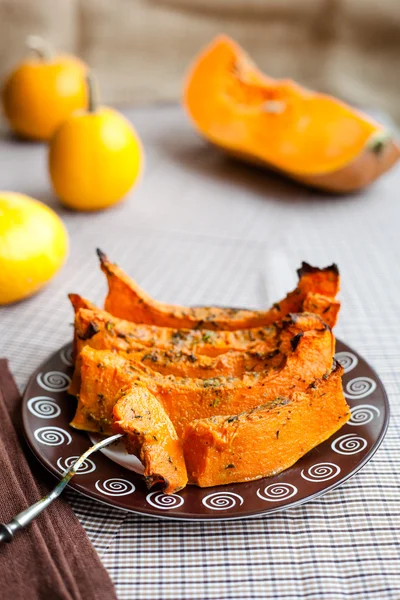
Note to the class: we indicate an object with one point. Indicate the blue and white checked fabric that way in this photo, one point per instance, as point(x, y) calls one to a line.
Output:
point(202, 229)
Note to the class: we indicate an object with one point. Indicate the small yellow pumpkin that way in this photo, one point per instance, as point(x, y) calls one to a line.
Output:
point(95, 156)
point(33, 246)
point(43, 90)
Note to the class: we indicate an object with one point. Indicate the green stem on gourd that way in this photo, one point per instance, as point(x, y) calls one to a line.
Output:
point(378, 141)
point(92, 91)
point(41, 47)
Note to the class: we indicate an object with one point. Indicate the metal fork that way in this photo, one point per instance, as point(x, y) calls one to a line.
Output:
point(7, 531)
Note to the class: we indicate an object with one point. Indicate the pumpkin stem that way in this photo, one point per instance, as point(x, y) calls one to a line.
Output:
point(379, 141)
point(40, 46)
point(93, 91)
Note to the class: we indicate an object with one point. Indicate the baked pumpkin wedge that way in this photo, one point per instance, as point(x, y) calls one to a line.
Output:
point(268, 439)
point(251, 352)
point(125, 299)
point(310, 137)
point(151, 437)
point(104, 373)
point(100, 330)
point(127, 336)
point(77, 303)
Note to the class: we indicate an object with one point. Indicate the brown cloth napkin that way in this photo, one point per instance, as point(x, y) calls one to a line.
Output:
point(52, 559)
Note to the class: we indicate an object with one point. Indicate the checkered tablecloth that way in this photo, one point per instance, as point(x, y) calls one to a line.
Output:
point(201, 229)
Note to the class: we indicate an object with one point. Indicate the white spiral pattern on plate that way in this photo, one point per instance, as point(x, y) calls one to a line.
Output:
point(64, 464)
point(360, 387)
point(115, 487)
point(275, 492)
point(363, 414)
point(350, 443)
point(43, 407)
point(53, 381)
point(348, 360)
point(52, 436)
point(222, 500)
point(164, 501)
point(66, 356)
point(320, 472)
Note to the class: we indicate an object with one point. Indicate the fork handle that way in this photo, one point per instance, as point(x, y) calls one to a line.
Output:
point(8, 530)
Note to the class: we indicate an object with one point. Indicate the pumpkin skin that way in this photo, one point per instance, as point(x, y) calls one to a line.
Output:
point(43, 91)
point(310, 137)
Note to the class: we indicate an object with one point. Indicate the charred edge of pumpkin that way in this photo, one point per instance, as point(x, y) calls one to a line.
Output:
point(154, 479)
point(336, 369)
point(104, 262)
point(91, 330)
point(102, 256)
point(295, 318)
point(306, 268)
point(294, 342)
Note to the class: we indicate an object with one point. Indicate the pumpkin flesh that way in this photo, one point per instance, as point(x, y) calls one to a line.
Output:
point(126, 300)
point(151, 437)
point(311, 137)
point(104, 373)
point(267, 440)
point(184, 354)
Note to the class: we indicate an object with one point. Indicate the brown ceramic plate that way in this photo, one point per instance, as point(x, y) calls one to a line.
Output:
point(108, 476)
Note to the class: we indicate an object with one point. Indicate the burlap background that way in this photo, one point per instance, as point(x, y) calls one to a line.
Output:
point(141, 48)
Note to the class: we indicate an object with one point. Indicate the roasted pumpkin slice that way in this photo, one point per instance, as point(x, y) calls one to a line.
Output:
point(127, 336)
point(104, 373)
point(77, 303)
point(128, 301)
point(101, 331)
point(151, 437)
point(266, 440)
point(312, 138)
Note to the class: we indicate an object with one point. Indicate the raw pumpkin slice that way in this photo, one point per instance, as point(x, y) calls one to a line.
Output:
point(311, 137)
point(266, 440)
point(151, 437)
point(104, 373)
point(128, 301)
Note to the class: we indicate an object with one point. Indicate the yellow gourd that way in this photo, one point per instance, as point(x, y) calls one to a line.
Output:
point(95, 156)
point(33, 246)
point(43, 90)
